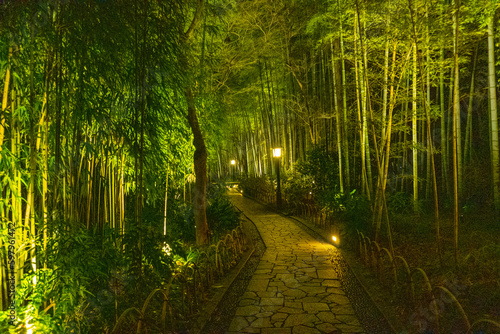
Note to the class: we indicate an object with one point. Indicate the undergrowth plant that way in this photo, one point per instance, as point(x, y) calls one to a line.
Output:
point(254, 182)
point(221, 215)
point(298, 187)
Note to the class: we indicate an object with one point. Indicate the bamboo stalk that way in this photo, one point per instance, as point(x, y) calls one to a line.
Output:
point(5, 97)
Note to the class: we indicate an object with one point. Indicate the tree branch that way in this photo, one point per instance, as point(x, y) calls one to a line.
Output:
point(194, 23)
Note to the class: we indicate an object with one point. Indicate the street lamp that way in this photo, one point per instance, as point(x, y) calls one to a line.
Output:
point(233, 165)
point(277, 156)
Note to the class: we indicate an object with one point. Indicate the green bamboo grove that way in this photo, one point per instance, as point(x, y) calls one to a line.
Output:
point(107, 106)
point(93, 123)
point(403, 93)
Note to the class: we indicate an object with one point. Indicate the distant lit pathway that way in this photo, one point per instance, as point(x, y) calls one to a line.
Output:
point(294, 288)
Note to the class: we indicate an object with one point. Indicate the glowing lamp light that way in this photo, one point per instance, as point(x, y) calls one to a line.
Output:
point(167, 249)
point(277, 152)
point(30, 328)
point(277, 156)
point(335, 240)
point(233, 162)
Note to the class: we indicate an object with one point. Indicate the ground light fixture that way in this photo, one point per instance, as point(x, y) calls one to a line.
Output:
point(335, 240)
point(233, 162)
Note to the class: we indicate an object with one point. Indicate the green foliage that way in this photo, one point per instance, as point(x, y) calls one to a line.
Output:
point(482, 266)
point(221, 215)
point(77, 263)
point(334, 200)
point(484, 262)
point(317, 179)
point(355, 210)
point(27, 318)
point(253, 182)
point(90, 278)
point(155, 265)
point(181, 222)
point(400, 202)
point(322, 167)
point(297, 186)
point(82, 258)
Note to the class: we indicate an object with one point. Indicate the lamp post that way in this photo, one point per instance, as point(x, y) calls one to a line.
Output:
point(233, 163)
point(277, 156)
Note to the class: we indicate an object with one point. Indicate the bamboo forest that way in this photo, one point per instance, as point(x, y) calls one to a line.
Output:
point(150, 150)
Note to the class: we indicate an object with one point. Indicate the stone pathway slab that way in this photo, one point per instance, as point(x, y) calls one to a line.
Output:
point(295, 289)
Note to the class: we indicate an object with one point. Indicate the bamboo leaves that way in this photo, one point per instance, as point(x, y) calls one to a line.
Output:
point(354, 40)
point(74, 98)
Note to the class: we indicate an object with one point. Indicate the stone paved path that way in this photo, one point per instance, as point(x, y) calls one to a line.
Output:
point(295, 288)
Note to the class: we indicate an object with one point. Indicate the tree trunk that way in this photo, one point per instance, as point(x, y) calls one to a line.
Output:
point(444, 152)
point(468, 127)
point(4, 102)
point(360, 106)
point(430, 162)
point(386, 147)
point(344, 106)
point(200, 153)
point(365, 102)
point(456, 101)
point(495, 160)
point(166, 202)
point(414, 131)
point(200, 170)
point(456, 134)
point(336, 110)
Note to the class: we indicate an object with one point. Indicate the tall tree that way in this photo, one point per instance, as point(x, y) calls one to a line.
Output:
point(200, 154)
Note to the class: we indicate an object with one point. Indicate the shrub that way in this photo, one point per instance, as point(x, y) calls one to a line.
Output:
point(357, 213)
point(322, 167)
point(252, 182)
point(297, 186)
point(400, 202)
point(221, 215)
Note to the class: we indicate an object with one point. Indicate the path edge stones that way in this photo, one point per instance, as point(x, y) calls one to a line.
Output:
point(220, 288)
point(217, 316)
